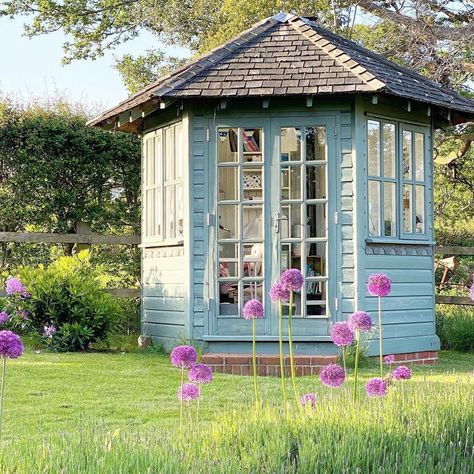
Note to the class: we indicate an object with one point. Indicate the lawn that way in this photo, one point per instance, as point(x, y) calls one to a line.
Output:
point(118, 412)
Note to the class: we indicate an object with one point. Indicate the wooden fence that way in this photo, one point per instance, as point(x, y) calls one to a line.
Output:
point(454, 252)
point(84, 239)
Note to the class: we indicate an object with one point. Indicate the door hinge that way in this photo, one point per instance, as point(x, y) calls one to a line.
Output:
point(336, 218)
point(208, 135)
point(209, 304)
point(209, 219)
point(336, 304)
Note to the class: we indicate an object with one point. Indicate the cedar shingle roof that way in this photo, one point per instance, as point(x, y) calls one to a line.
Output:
point(289, 55)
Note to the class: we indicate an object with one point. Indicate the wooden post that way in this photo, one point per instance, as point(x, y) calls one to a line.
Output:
point(85, 229)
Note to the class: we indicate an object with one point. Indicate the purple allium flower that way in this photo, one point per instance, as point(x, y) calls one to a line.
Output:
point(278, 292)
point(376, 387)
point(360, 320)
point(253, 309)
point(4, 317)
point(308, 399)
point(48, 331)
point(389, 359)
point(200, 373)
point(10, 345)
point(379, 284)
point(23, 314)
point(292, 279)
point(183, 356)
point(402, 373)
point(471, 291)
point(15, 286)
point(332, 375)
point(342, 334)
point(188, 392)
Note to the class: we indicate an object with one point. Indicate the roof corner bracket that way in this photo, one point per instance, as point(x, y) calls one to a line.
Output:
point(265, 103)
point(375, 99)
point(409, 106)
point(309, 101)
point(223, 104)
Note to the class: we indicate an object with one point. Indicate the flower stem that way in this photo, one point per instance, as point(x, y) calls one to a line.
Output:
point(290, 344)
point(282, 357)
point(344, 359)
point(380, 338)
point(182, 400)
point(2, 392)
point(254, 360)
point(356, 363)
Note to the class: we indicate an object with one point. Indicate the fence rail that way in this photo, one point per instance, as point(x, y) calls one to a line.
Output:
point(50, 238)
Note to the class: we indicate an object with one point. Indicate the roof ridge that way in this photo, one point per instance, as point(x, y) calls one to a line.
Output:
point(335, 53)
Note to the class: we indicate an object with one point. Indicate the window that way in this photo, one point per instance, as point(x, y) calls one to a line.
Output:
point(396, 180)
point(163, 185)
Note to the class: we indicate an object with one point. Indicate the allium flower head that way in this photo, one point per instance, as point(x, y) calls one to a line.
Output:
point(309, 400)
point(360, 320)
point(292, 279)
point(48, 331)
point(332, 375)
point(15, 286)
point(4, 317)
point(188, 392)
point(389, 359)
point(402, 373)
point(376, 387)
point(471, 291)
point(10, 345)
point(183, 356)
point(253, 309)
point(379, 284)
point(279, 292)
point(200, 373)
point(23, 314)
point(341, 334)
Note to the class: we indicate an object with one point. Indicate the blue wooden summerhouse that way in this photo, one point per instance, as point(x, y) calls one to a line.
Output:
point(288, 146)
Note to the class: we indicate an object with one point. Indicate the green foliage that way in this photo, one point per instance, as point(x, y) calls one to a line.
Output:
point(69, 295)
point(455, 327)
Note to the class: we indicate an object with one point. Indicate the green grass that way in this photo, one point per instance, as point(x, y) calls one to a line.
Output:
point(117, 412)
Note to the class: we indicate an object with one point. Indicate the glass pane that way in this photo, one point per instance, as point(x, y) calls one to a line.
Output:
point(150, 162)
point(315, 298)
point(228, 183)
point(291, 182)
point(407, 208)
point(419, 157)
point(229, 298)
point(407, 163)
point(252, 223)
point(158, 158)
point(316, 182)
point(252, 184)
point(150, 212)
point(291, 226)
point(179, 210)
point(253, 260)
point(227, 145)
point(178, 159)
point(315, 143)
point(316, 259)
point(229, 260)
point(252, 140)
point(373, 147)
point(374, 208)
point(420, 210)
point(290, 144)
point(169, 154)
point(170, 225)
point(390, 212)
point(389, 149)
point(228, 222)
point(251, 158)
point(316, 220)
point(253, 289)
point(290, 256)
point(157, 208)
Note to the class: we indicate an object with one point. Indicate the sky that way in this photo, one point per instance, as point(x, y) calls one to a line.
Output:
point(32, 67)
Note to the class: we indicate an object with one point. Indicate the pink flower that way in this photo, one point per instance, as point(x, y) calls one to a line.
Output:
point(332, 375)
point(360, 320)
point(4, 317)
point(379, 284)
point(183, 356)
point(188, 392)
point(341, 334)
point(200, 373)
point(376, 387)
point(389, 359)
point(402, 373)
point(309, 399)
point(292, 279)
point(471, 291)
point(278, 292)
point(253, 309)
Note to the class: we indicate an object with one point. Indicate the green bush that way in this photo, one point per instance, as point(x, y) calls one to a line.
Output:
point(69, 295)
point(455, 327)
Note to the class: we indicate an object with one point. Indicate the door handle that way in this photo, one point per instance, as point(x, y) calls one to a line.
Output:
point(277, 218)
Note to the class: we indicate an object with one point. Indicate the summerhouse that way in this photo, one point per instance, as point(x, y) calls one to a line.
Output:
point(288, 146)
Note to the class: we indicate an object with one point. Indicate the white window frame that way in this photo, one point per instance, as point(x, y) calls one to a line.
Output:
point(155, 206)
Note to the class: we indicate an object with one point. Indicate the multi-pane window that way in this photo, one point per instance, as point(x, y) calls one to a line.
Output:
point(396, 180)
point(163, 184)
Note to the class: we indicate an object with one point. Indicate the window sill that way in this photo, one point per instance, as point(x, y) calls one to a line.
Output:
point(165, 243)
point(375, 240)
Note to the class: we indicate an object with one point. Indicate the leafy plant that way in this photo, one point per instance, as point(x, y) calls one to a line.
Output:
point(455, 327)
point(69, 296)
